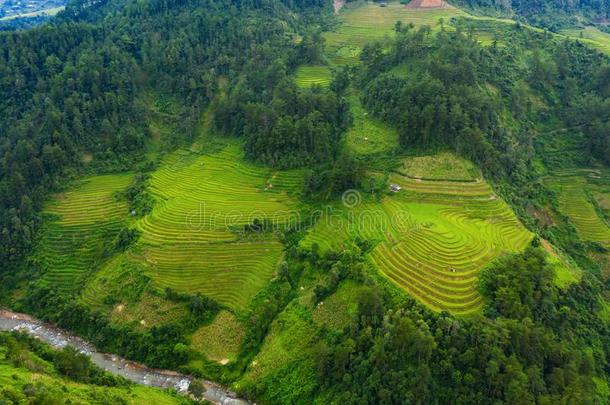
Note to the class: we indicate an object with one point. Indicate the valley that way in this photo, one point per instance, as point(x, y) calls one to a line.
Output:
point(355, 202)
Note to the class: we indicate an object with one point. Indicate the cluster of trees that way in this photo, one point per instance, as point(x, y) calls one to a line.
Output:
point(292, 128)
point(552, 14)
point(536, 345)
point(164, 346)
point(479, 100)
point(24, 351)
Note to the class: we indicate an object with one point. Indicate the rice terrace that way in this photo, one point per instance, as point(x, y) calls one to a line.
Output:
point(434, 234)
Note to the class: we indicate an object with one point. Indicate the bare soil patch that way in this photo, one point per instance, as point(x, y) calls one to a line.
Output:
point(428, 4)
point(338, 5)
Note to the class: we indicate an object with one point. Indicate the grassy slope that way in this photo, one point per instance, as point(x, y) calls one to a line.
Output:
point(220, 340)
point(15, 380)
point(368, 136)
point(592, 37)
point(283, 368)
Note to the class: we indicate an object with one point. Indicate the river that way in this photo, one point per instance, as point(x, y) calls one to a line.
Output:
point(132, 371)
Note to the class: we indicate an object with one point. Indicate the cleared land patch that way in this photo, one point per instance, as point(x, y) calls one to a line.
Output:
point(84, 222)
point(442, 166)
point(368, 135)
point(432, 237)
point(219, 340)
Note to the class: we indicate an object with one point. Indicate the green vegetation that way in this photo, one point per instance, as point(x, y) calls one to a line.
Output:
point(361, 23)
point(307, 76)
point(592, 37)
point(573, 202)
point(312, 209)
point(85, 222)
point(32, 373)
point(433, 236)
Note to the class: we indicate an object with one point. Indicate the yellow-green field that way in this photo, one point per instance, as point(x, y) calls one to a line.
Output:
point(308, 76)
point(367, 22)
point(369, 135)
point(570, 186)
point(192, 241)
point(592, 37)
point(220, 340)
point(85, 221)
point(432, 237)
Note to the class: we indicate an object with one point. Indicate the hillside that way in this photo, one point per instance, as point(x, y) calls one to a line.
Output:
point(31, 373)
point(550, 14)
point(393, 203)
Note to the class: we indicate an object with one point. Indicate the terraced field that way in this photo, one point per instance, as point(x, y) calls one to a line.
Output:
point(193, 240)
point(592, 37)
point(308, 76)
point(570, 186)
point(433, 237)
point(368, 22)
point(87, 218)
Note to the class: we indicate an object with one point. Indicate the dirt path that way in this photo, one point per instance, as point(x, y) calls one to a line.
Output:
point(338, 5)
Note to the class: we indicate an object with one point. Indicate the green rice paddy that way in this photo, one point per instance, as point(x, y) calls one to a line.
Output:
point(571, 186)
point(432, 237)
point(308, 76)
point(84, 222)
point(192, 241)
